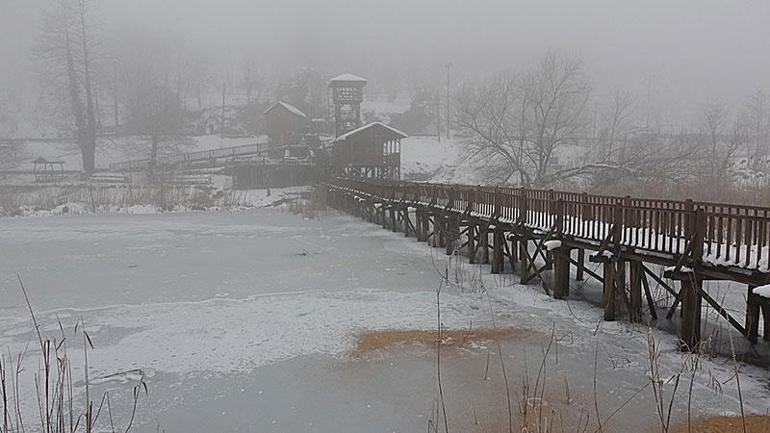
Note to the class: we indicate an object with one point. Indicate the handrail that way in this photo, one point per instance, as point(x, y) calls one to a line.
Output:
point(724, 234)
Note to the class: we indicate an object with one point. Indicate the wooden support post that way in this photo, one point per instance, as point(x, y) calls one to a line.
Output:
point(524, 258)
point(561, 272)
point(406, 221)
point(497, 250)
point(635, 287)
point(514, 251)
point(393, 223)
point(689, 332)
point(440, 223)
point(581, 259)
point(368, 211)
point(752, 315)
point(384, 215)
point(452, 233)
point(471, 240)
point(484, 240)
point(419, 224)
point(608, 293)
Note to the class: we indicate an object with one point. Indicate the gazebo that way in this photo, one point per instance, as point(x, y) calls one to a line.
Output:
point(47, 171)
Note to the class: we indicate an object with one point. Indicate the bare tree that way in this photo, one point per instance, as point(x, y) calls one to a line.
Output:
point(757, 109)
point(518, 123)
point(150, 85)
point(251, 82)
point(65, 46)
point(713, 121)
point(725, 136)
point(617, 121)
point(10, 156)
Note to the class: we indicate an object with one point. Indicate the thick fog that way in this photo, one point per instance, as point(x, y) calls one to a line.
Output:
point(384, 215)
point(683, 53)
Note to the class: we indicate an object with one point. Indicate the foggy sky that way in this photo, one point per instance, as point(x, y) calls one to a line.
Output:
point(692, 50)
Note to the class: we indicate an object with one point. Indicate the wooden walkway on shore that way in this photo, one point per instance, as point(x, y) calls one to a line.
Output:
point(537, 230)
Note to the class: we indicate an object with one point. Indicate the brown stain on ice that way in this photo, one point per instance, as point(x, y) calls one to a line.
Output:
point(369, 341)
point(726, 424)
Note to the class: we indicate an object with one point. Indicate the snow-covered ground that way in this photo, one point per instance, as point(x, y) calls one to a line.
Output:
point(424, 158)
point(247, 321)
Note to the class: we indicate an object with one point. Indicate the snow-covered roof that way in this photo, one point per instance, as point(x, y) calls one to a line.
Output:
point(289, 107)
point(349, 77)
point(395, 131)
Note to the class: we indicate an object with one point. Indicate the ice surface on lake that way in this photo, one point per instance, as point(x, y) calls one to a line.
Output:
point(204, 302)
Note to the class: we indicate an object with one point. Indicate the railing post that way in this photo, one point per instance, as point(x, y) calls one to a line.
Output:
point(688, 220)
point(699, 233)
point(617, 218)
point(524, 206)
point(496, 205)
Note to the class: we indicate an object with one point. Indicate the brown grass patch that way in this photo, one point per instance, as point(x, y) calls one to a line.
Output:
point(369, 341)
point(727, 424)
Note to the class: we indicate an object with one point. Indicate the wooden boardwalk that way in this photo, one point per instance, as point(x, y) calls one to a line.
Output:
point(533, 231)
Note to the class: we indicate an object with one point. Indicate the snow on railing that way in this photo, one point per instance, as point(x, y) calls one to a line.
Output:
point(721, 234)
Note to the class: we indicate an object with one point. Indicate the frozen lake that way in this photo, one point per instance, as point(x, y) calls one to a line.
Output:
point(247, 321)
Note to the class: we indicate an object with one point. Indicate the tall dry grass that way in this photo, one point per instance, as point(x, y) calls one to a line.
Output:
point(62, 405)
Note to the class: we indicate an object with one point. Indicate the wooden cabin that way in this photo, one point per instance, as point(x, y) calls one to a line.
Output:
point(372, 151)
point(285, 124)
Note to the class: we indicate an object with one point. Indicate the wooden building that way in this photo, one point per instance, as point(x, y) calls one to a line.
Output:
point(371, 151)
point(285, 124)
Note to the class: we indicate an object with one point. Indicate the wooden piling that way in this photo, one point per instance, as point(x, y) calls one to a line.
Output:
point(609, 289)
point(561, 272)
point(690, 329)
point(497, 250)
point(635, 289)
point(581, 264)
point(523, 259)
point(484, 241)
point(752, 314)
point(419, 228)
point(452, 233)
point(471, 233)
point(514, 251)
point(406, 220)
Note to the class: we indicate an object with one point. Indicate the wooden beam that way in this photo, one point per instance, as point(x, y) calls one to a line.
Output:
point(648, 295)
point(590, 273)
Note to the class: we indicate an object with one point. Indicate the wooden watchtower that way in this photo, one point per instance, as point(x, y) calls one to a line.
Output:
point(346, 92)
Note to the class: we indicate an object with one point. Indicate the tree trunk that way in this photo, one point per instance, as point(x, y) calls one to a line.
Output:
point(153, 156)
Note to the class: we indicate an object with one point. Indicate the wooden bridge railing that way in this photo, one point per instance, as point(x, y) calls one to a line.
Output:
point(724, 234)
point(232, 152)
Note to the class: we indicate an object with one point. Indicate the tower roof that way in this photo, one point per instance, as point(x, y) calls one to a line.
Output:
point(347, 80)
